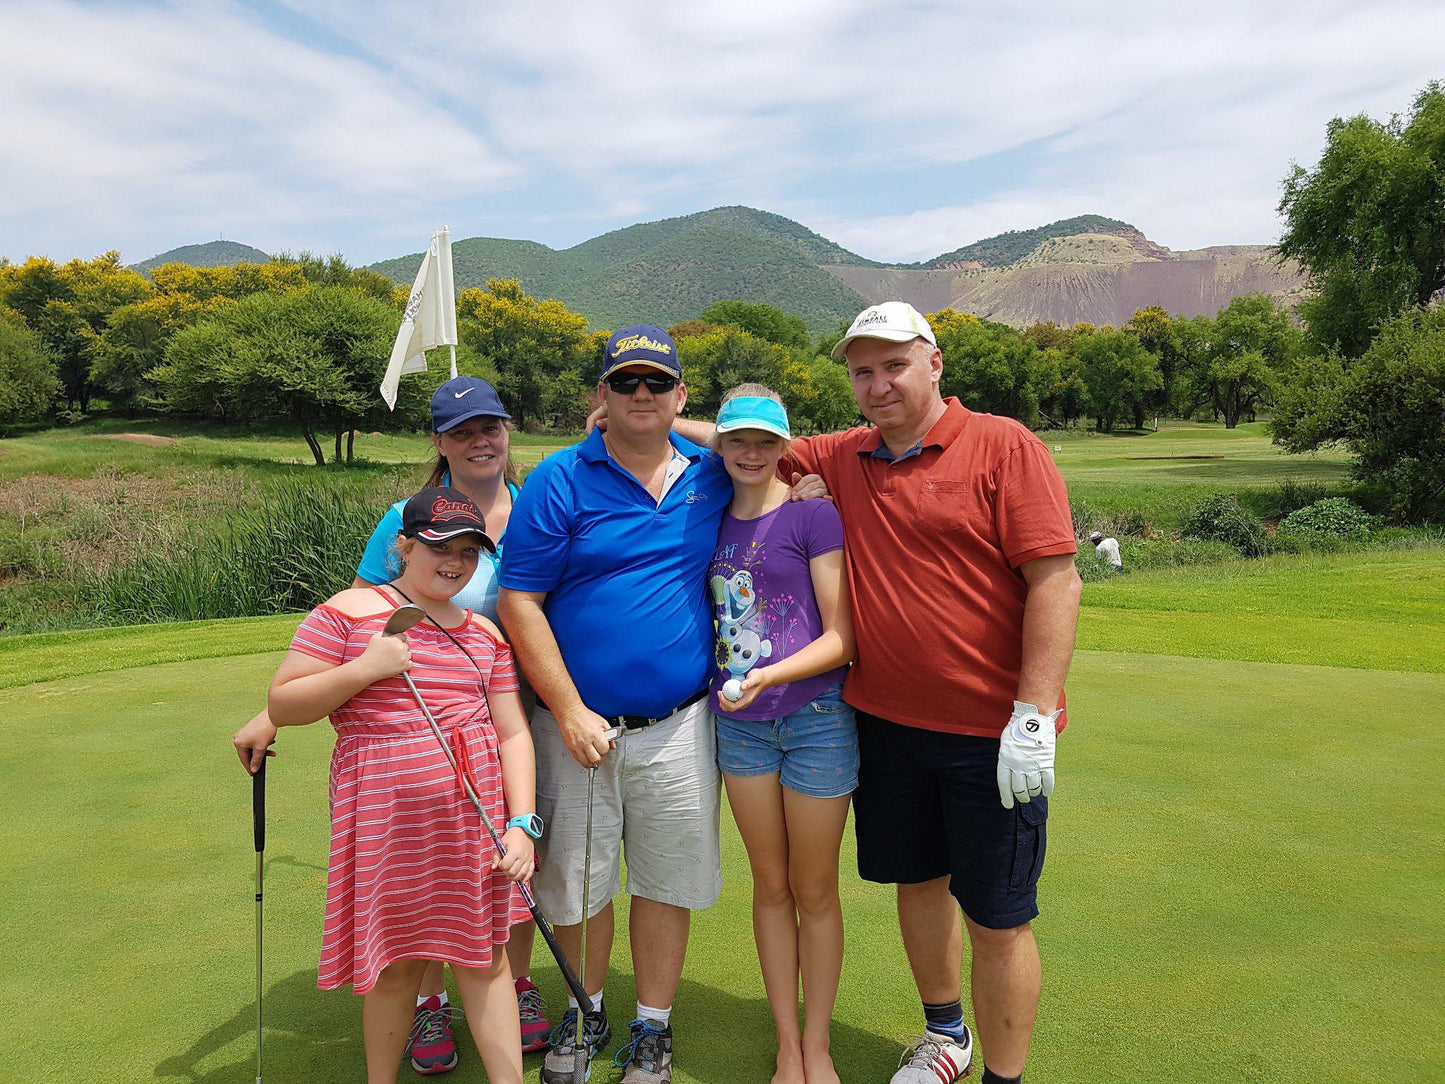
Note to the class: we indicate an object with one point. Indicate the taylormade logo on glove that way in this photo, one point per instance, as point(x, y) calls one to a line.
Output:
point(1026, 755)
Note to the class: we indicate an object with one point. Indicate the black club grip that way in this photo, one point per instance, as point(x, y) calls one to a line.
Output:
point(258, 806)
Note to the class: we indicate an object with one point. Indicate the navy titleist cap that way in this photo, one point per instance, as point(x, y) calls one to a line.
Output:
point(463, 398)
point(437, 514)
point(642, 344)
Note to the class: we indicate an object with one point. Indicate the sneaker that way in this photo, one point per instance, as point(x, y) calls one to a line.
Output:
point(559, 1066)
point(935, 1059)
point(431, 1046)
point(534, 1020)
point(647, 1059)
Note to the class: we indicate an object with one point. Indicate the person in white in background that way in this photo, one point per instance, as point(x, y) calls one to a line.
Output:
point(1108, 549)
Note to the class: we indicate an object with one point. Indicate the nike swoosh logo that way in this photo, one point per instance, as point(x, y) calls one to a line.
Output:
point(459, 394)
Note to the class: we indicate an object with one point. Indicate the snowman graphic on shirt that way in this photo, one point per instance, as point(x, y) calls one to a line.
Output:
point(740, 623)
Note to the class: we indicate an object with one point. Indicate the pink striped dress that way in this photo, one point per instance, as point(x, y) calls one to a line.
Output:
point(410, 873)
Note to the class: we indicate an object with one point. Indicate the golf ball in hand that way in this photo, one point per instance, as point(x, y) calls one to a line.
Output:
point(733, 689)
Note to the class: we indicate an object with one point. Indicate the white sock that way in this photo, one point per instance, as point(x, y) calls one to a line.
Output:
point(596, 1002)
point(647, 1012)
point(420, 1001)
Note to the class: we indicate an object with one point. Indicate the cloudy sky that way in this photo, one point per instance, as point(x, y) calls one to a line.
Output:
point(900, 130)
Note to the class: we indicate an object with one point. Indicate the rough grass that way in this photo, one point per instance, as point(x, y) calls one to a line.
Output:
point(1241, 882)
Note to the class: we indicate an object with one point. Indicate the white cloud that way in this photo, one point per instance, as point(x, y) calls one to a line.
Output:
point(160, 123)
point(351, 125)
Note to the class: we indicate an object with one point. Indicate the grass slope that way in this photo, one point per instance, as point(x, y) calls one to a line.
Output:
point(1223, 900)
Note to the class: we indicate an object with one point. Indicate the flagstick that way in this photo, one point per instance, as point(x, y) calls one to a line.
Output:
point(454, 362)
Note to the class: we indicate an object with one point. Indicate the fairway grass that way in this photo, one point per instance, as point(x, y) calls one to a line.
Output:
point(1242, 884)
point(1378, 610)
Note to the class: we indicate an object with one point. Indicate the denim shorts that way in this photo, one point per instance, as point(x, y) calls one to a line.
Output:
point(813, 750)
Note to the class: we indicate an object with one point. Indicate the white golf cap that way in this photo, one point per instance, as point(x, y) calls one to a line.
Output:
point(893, 321)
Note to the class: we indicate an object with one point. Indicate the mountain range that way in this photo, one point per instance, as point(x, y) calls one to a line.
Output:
point(1089, 268)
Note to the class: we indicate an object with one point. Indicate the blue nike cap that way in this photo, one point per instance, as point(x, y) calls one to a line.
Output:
point(462, 398)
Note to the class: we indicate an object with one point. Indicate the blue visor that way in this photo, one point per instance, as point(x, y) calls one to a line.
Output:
point(754, 412)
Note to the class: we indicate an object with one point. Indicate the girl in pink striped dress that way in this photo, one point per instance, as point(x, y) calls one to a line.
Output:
point(414, 875)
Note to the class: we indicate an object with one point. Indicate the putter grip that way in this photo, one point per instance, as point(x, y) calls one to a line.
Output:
point(258, 806)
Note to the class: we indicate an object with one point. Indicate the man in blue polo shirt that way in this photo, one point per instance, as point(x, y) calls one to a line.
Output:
point(603, 596)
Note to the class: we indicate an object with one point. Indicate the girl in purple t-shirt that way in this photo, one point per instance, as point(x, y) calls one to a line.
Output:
point(786, 743)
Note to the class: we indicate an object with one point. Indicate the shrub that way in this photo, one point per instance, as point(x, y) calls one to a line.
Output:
point(298, 548)
point(1127, 522)
point(1221, 518)
point(1333, 516)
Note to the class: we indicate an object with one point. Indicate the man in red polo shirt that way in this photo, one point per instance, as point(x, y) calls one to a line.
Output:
point(965, 602)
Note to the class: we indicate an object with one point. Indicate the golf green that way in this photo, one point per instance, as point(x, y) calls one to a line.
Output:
point(1243, 883)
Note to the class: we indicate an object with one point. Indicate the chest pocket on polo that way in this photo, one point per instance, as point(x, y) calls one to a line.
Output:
point(948, 504)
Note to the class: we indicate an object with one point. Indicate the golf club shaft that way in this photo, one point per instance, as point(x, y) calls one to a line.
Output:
point(569, 976)
point(258, 828)
point(580, 1067)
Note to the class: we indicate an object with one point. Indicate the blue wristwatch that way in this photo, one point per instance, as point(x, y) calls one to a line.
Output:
point(529, 823)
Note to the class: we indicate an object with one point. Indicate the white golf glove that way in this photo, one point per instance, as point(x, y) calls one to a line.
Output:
point(1026, 755)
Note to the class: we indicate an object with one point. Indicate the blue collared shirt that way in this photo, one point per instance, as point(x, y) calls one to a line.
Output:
point(885, 453)
point(625, 575)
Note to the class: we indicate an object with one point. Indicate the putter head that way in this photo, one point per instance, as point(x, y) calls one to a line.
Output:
point(402, 618)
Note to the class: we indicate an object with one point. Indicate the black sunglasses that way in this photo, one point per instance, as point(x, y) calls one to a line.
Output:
point(627, 385)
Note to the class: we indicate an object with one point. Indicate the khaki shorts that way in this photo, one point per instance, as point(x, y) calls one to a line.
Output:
point(657, 795)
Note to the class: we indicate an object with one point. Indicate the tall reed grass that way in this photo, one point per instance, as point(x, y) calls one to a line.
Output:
point(296, 548)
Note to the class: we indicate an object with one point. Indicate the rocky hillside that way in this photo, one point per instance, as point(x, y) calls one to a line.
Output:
point(1101, 276)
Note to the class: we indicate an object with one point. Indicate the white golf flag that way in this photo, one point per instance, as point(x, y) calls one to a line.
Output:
point(430, 319)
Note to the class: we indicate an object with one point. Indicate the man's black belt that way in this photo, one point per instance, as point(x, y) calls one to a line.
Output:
point(642, 722)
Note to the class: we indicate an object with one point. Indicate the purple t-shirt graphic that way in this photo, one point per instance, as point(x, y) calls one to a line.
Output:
point(762, 593)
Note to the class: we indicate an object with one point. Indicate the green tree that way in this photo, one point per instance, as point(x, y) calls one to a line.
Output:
point(530, 344)
point(333, 270)
point(28, 380)
point(1387, 408)
point(990, 367)
point(68, 306)
point(1154, 329)
point(1120, 377)
point(833, 405)
point(1236, 360)
point(716, 362)
point(134, 342)
point(1367, 223)
point(313, 357)
point(763, 321)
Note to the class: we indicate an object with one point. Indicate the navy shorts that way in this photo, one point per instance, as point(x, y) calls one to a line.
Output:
point(927, 806)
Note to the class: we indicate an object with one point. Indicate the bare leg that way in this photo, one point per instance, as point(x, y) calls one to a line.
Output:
point(757, 803)
point(599, 946)
point(932, 928)
point(386, 1015)
point(519, 949)
point(659, 943)
point(815, 833)
point(491, 1006)
point(1007, 976)
point(433, 980)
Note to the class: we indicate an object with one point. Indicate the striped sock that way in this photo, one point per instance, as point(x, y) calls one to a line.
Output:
point(945, 1019)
